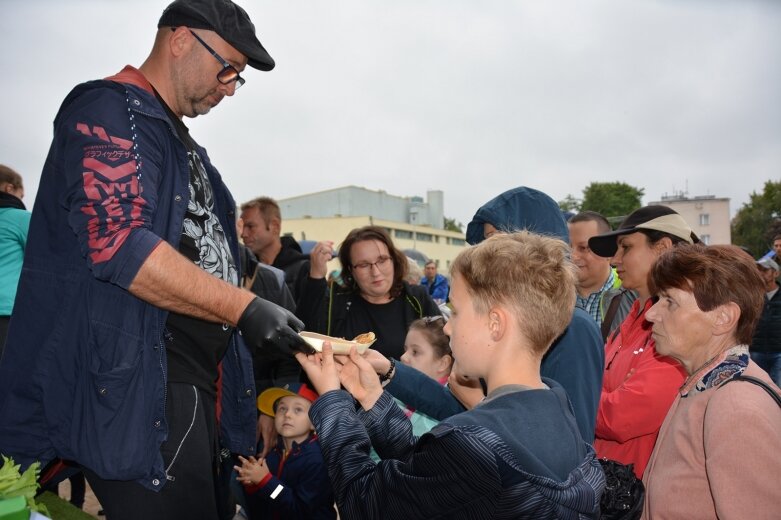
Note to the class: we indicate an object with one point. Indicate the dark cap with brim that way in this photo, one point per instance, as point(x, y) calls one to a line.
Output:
point(225, 18)
point(657, 218)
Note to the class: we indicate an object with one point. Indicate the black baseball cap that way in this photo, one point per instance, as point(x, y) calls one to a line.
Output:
point(225, 18)
point(659, 218)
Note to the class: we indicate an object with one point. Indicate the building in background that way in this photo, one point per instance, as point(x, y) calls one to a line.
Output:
point(707, 215)
point(412, 222)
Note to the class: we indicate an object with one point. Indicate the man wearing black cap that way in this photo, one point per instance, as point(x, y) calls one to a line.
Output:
point(123, 352)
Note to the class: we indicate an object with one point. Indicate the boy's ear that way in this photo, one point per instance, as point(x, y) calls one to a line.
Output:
point(497, 323)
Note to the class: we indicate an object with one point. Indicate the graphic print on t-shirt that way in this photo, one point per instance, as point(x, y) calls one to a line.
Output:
point(202, 233)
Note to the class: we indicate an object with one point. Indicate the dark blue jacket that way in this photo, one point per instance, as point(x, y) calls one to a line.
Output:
point(517, 455)
point(299, 483)
point(84, 372)
point(767, 336)
point(439, 289)
point(517, 209)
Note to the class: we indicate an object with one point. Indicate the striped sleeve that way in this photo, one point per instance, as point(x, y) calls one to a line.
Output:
point(447, 471)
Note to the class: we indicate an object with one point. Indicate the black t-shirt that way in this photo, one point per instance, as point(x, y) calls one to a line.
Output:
point(386, 320)
point(194, 346)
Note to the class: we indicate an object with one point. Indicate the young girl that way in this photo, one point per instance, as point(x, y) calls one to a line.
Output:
point(427, 349)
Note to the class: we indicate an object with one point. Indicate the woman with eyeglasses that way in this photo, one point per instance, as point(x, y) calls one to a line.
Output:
point(374, 297)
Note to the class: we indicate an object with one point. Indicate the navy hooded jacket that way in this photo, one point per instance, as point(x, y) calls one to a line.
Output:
point(576, 360)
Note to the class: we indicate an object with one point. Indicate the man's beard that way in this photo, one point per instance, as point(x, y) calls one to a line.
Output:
point(201, 105)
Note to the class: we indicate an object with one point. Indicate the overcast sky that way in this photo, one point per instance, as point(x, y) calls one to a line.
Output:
point(470, 97)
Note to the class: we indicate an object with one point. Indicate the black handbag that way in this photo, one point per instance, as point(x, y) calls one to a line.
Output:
point(624, 492)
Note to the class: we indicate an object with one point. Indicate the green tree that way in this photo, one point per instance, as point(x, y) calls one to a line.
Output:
point(570, 203)
point(452, 225)
point(611, 199)
point(759, 220)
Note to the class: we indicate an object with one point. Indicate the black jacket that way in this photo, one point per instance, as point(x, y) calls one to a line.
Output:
point(260, 279)
point(767, 336)
point(295, 264)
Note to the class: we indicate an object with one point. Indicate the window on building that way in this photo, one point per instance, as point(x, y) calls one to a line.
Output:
point(401, 233)
point(704, 219)
point(425, 237)
point(705, 239)
point(458, 241)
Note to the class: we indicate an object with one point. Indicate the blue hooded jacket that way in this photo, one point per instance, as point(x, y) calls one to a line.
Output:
point(576, 360)
point(517, 209)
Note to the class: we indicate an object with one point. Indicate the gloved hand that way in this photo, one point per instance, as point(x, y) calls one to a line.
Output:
point(273, 329)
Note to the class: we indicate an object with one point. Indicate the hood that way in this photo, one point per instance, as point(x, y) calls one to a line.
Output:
point(9, 201)
point(517, 209)
point(290, 253)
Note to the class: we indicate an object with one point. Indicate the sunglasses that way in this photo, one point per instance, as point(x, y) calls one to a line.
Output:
point(228, 74)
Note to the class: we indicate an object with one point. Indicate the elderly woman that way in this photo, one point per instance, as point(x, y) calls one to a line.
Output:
point(639, 384)
point(718, 453)
point(375, 297)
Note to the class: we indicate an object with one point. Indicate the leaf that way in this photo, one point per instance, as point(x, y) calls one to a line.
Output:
point(14, 484)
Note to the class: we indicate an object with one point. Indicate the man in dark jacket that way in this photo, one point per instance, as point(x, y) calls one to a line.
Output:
point(262, 225)
point(124, 331)
point(766, 345)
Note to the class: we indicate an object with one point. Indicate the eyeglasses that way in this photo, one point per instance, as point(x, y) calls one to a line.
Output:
point(428, 320)
point(381, 263)
point(228, 74)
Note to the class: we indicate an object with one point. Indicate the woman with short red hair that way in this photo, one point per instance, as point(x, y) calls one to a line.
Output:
point(718, 452)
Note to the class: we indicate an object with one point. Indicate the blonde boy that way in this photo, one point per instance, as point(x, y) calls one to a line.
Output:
point(518, 454)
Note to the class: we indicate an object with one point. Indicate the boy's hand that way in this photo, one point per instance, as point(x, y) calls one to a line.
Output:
point(360, 379)
point(321, 369)
point(251, 471)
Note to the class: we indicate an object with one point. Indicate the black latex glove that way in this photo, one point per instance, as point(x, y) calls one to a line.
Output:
point(272, 329)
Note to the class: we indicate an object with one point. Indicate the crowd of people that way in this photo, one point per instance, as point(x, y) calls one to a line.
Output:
point(159, 355)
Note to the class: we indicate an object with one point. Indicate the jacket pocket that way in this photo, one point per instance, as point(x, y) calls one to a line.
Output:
point(116, 429)
point(114, 364)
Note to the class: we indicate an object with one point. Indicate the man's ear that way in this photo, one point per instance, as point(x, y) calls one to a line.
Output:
point(275, 226)
point(726, 318)
point(180, 41)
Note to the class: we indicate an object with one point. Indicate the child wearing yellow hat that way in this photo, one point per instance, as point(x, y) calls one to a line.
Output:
point(292, 481)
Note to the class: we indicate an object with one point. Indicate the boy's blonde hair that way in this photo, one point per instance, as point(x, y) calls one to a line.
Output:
point(529, 273)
